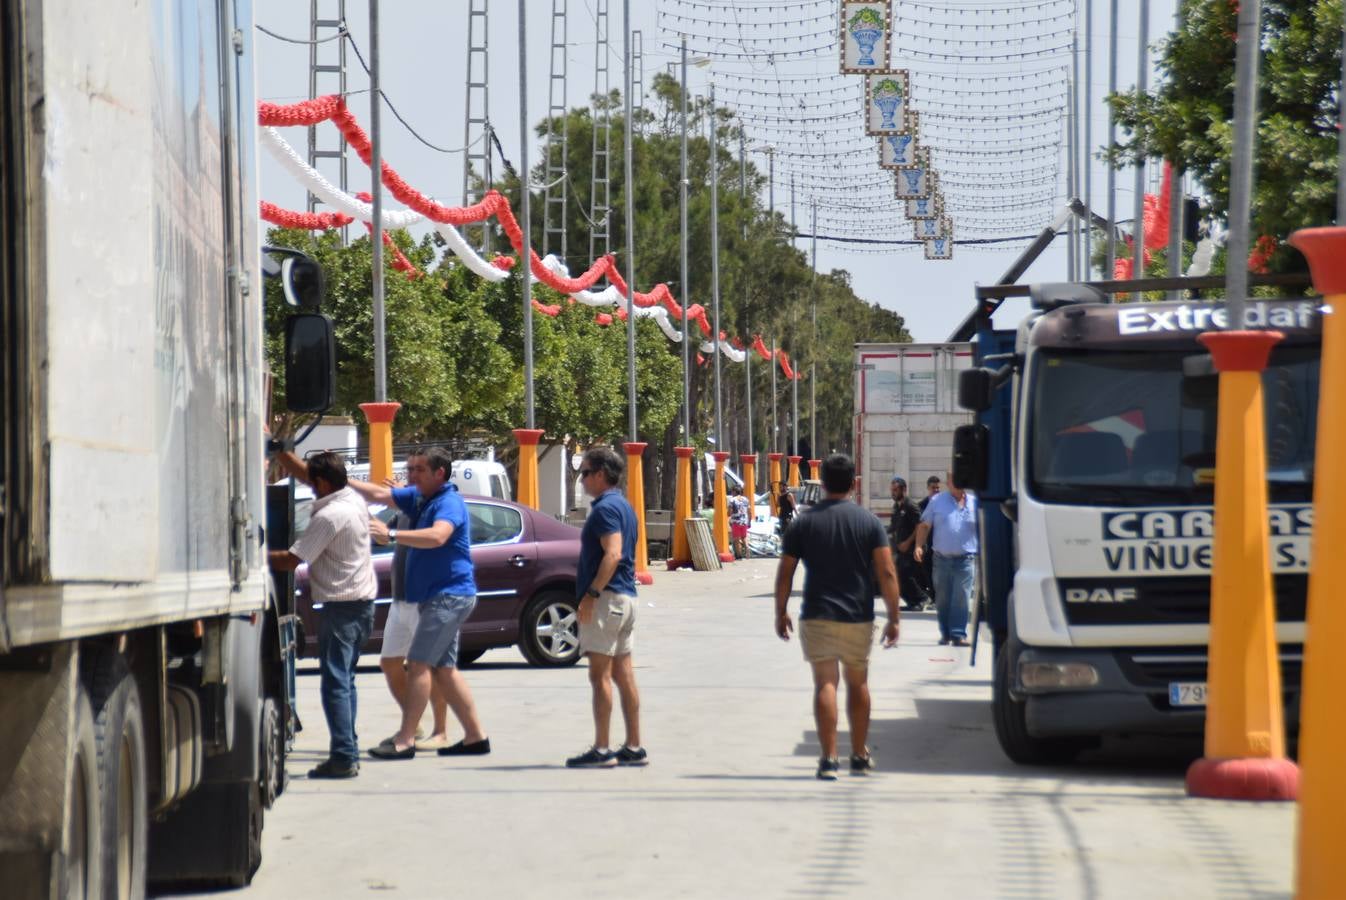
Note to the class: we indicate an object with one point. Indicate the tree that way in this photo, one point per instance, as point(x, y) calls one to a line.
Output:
point(1188, 118)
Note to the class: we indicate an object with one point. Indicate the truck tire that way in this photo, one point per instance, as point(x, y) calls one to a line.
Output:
point(120, 731)
point(82, 875)
point(271, 754)
point(549, 630)
point(1011, 727)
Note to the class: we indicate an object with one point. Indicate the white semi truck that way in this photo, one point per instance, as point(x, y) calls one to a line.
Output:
point(143, 694)
point(906, 412)
point(1094, 458)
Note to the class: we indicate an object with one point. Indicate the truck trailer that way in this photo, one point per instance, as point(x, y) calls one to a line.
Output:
point(1094, 459)
point(142, 659)
point(906, 412)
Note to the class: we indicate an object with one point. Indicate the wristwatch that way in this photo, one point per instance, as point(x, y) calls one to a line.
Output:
point(592, 593)
point(392, 535)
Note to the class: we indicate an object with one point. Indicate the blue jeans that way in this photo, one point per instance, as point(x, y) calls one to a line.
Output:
point(954, 579)
point(343, 629)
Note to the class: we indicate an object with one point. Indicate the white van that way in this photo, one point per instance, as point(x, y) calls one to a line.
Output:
point(483, 477)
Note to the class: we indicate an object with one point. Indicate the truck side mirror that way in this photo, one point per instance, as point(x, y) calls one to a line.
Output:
point(975, 388)
point(970, 458)
point(310, 363)
point(303, 282)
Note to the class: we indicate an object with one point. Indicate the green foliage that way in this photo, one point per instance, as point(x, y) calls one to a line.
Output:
point(1188, 119)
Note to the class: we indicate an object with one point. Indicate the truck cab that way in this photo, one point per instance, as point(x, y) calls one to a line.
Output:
point(1095, 449)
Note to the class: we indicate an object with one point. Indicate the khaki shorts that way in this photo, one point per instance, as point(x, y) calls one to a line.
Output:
point(850, 642)
point(612, 632)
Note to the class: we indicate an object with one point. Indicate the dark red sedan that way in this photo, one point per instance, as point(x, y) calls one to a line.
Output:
point(525, 571)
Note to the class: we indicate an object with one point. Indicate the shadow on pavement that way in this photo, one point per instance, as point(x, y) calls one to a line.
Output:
point(956, 737)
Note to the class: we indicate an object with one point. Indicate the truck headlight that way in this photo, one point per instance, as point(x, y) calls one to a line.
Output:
point(1045, 675)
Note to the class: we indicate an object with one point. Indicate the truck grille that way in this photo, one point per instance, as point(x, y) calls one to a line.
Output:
point(1182, 600)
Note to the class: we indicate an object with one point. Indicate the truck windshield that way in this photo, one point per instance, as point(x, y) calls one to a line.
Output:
point(1126, 428)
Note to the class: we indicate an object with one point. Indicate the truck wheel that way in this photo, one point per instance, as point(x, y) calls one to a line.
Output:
point(549, 633)
point(271, 755)
point(83, 859)
point(1011, 727)
point(120, 731)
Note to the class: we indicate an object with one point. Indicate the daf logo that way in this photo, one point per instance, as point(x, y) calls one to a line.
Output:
point(1100, 595)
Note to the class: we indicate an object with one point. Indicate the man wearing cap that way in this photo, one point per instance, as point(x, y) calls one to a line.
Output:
point(902, 535)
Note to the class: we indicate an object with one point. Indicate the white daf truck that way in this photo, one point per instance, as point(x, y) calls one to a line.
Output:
point(143, 703)
point(1094, 458)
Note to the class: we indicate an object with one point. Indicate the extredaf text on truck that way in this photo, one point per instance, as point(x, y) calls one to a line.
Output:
point(143, 689)
point(1095, 452)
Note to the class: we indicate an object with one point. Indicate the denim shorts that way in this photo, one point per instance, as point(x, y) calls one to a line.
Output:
point(436, 640)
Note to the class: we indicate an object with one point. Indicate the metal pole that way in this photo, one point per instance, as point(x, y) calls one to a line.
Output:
point(1072, 227)
point(1241, 175)
point(794, 406)
point(1142, 82)
point(526, 223)
point(629, 190)
point(813, 344)
point(742, 184)
point(1088, 138)
point(747, 378)
point(1175, 204)
point(715, 264)
point(771, 184)
point(686, 290)
point(376, 190)
point(775, 400)
point(1112, 139)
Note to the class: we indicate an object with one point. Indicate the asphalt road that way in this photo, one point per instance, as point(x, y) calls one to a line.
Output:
point(729, 805)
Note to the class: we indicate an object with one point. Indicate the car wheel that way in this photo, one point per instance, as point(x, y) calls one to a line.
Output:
point(549, 632)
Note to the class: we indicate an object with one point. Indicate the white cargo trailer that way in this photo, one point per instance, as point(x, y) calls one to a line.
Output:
point(142, 665)
point(906, 411)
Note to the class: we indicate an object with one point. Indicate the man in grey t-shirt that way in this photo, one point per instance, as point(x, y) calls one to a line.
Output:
point(845, 552)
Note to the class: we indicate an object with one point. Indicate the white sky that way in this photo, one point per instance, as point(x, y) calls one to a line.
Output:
point(423, 71)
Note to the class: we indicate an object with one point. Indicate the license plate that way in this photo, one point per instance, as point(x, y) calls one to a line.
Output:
point(1187, 693)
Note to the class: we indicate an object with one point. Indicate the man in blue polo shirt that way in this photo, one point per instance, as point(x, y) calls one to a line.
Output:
point(439, 578)
point(953, 515)
point(605, 582)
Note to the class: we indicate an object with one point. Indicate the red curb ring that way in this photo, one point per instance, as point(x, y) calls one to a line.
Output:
point(1254, 778)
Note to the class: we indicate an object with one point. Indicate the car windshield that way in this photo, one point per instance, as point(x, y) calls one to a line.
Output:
point(1134, 429)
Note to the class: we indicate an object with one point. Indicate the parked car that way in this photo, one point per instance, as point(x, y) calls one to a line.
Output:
point(525, 570)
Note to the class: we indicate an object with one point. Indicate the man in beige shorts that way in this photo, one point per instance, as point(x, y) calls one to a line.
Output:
point(605, 582)
point(845, 552)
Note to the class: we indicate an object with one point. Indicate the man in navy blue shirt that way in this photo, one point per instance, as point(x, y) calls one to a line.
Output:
point(605, 582)
point(439, 578)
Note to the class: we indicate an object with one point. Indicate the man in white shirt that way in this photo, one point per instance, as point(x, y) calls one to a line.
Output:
point(342, 580)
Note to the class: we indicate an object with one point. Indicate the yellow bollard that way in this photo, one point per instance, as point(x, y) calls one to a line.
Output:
point(681, 554)
point(1245, 724)
point(815, 469)
point(794, 470)
point(525, 492)
point(773, 479)
point(749, 461)
point(721, 524)
point(635, 495)
point(1322, 729)
point(380, 417)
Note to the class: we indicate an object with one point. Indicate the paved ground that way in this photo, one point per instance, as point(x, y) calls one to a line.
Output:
point(730, 806)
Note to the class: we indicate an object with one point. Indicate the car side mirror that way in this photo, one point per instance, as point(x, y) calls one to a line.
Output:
point(310, 363)
point(970, 458)
point(975, 388)
point(303, 282)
